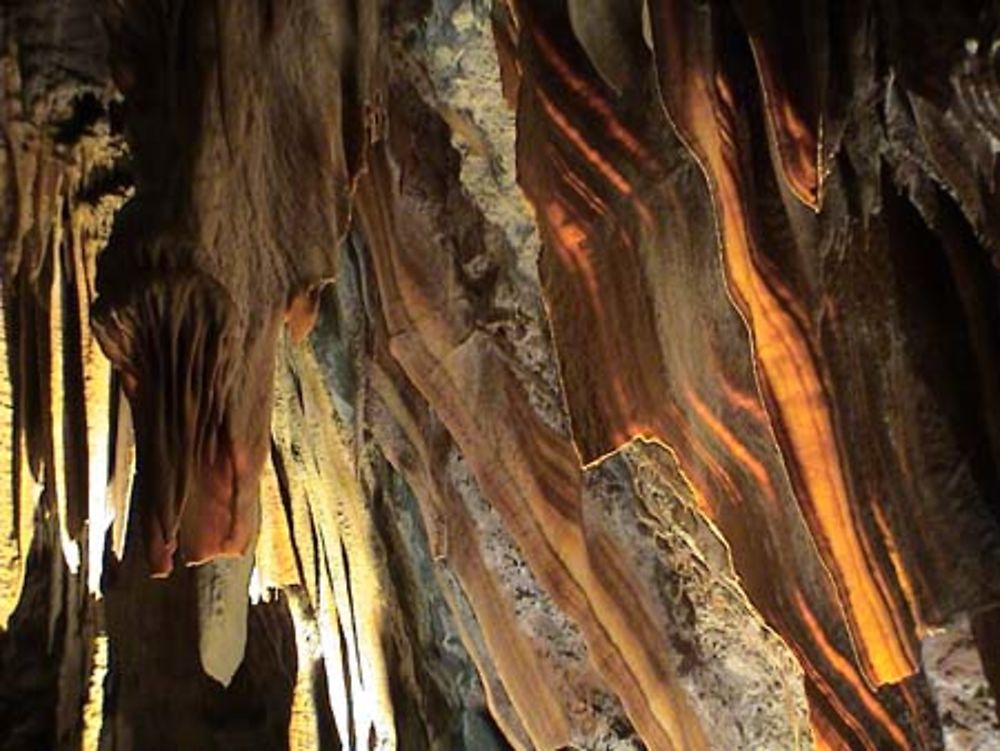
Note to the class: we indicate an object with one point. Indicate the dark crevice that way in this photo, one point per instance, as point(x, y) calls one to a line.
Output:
point(88, 111)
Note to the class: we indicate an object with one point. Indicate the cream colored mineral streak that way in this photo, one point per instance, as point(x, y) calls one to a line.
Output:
point(97, 407)
point(302, 729)
point(347, 599)
point(11, 572)
point(57, 395)
point(93, 708)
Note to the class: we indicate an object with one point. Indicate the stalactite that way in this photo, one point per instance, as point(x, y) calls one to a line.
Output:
point(333, 539)
point(11, 557)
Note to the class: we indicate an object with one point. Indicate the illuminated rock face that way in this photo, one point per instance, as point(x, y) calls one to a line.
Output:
point(652, 403)
point(768, 316)
point(242, 177)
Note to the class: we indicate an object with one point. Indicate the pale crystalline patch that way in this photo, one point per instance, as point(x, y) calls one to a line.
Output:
point(466, 75)
point(743, 679)
point(459, 51)
point(961, 693)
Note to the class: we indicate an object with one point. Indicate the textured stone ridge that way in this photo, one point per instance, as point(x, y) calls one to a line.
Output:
point(437, 319)
point(456, 41)
point(731, 661)
point(453, 46)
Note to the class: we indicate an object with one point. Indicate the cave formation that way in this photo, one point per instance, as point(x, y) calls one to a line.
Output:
point(499, 374)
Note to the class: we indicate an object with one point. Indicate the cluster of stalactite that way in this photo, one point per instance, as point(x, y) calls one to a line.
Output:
point(654, 403)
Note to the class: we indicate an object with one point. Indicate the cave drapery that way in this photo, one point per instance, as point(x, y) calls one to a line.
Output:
point(596, 374)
